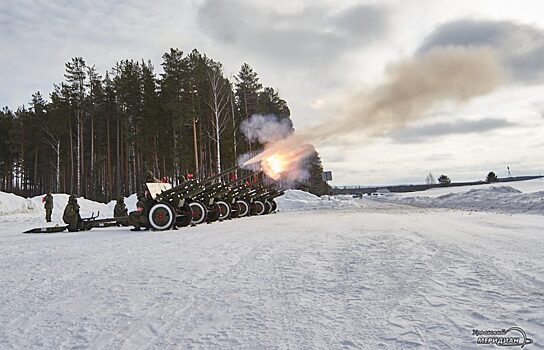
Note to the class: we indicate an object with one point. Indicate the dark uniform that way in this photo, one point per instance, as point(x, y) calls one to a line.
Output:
point(48, 199)
point(138, 218)
point(120, 210)
point(71, 214)
point(149, 177)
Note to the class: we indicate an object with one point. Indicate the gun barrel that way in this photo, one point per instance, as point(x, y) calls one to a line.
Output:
point(223, 173)
point(244, 177)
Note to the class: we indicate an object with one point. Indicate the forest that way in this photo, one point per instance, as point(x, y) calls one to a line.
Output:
point(96, 135)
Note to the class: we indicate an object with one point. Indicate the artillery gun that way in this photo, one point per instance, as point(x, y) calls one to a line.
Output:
point(256, 198)
point(194, 202)
point(85, 224)
point(185, 204)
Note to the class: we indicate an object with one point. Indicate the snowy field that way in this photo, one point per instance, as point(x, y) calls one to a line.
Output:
point(341, 274)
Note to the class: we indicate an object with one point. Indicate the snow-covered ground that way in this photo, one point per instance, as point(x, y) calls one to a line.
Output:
point(339, 274)
point(510, 197)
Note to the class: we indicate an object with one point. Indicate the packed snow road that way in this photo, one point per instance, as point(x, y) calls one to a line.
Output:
point(369, 275)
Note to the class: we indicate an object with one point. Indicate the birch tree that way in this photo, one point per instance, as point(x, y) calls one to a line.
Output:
point(219, 99)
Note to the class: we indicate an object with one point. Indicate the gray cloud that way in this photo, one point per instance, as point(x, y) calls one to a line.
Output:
point(313, 35)
point(422, 133)
point(521, 46)
point(39, 36)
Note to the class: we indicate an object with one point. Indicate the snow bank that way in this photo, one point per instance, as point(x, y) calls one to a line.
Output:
point(294, 200)
point(529, 186)
point(11, 204)
point(130, 202)
point(87, 207)
point(490, 198)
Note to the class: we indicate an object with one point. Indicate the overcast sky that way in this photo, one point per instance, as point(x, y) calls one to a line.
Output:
point(314, 53)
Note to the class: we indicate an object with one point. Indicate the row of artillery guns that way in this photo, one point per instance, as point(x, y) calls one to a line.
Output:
point(194, 202)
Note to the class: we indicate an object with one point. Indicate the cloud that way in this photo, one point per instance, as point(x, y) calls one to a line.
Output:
point(39, 36)
point(422, 133)
point(521, 46)
point(314, 35)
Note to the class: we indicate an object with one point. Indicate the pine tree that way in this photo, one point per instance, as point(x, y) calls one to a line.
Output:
point(444, 180)
point(491, 177)
point(315, 183)
point(75, 76)
point(247, 94)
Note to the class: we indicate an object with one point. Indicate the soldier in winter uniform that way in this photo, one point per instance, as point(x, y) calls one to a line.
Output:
point(149, 177)
point(120, 210)
point(48, 200)
point(138, 218)
point(71, 214)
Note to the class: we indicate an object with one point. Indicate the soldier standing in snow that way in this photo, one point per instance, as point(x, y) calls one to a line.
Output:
point(71, 214)
point(138, 218)
point(48, 200)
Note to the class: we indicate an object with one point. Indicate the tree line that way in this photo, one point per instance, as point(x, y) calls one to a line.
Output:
point(97, 135)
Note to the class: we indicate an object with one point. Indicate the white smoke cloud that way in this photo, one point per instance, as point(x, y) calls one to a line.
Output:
point(266, 128)
point(269, 130)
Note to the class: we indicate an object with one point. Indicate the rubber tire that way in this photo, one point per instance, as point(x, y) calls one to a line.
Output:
point(274, 205)
point(242, 211)
point(234, 210)
point(223, 207)
point(268, 206)
point(213, 213)
point(203, 212)
point(168, 210)
point(185, 216)
point(260, 208)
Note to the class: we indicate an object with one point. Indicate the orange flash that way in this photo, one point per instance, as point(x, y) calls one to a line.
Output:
point(275, 165)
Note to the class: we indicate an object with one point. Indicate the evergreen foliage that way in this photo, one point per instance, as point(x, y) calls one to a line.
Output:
point(98, 134)
point(491, 177)
point(444, 180)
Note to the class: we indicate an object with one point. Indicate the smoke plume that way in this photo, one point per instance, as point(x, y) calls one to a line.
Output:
point(411, 89)
point(266, 128)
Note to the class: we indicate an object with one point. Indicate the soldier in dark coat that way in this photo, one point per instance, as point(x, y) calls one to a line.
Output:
point(48, 200)
point(149, 177)
point(71, 214)
point(120, 210)
point(138, 218)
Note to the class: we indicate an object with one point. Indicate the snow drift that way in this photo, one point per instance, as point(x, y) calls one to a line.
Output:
point(11, 204)
point(494, 198)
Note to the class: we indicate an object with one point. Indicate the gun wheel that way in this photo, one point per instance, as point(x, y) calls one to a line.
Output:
point(274, 205)
point(213, 213)
point(259, 208)
point(224, 210)
point(185, 215)
point(243, 208)
point(234, 210)
point(199, 212)
point(161, 216)
point(268, 207)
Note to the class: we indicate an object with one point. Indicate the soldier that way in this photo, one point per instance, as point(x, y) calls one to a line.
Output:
point(138, 218)
point(48, 200)
point(71, 214)
point(149, 177)
point(120, 210)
